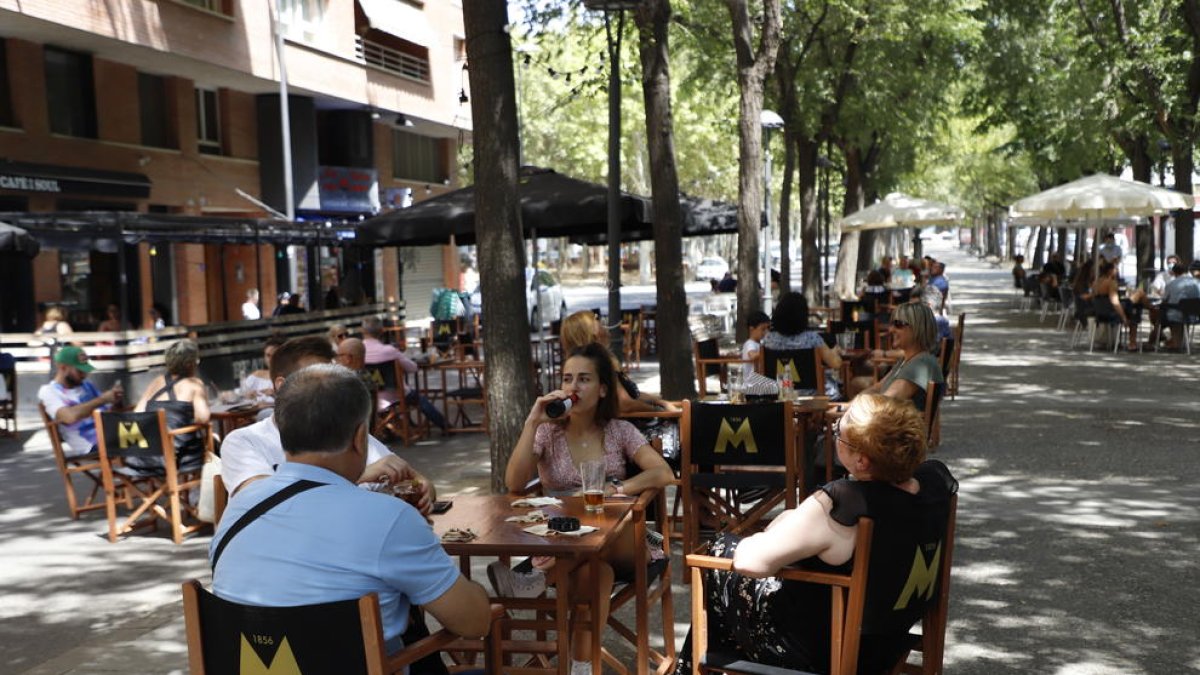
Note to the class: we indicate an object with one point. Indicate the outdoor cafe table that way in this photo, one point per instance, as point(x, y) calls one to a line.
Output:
point(485, 516)
point(231, 416)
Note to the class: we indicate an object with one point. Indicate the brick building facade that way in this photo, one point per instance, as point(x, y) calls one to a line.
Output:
point(172, 106)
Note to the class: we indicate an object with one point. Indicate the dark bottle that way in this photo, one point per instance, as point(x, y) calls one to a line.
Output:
point(556, 409)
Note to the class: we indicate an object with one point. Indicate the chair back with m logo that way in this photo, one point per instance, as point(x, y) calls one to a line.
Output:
point(443, 334)
point(144, 437)
point(133, 434)
point(248, 640)
point(804, 365)
point(346, 637)
point(383, 375)
point(728, 451)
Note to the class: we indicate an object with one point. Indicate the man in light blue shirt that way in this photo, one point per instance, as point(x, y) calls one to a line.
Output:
point(1183, 286)
point(337, 541)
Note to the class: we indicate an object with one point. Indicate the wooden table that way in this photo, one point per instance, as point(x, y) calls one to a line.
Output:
point(231, 416)
point(485, 514)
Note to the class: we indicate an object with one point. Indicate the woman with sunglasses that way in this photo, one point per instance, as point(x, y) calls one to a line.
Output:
point(881, 441)
point(914, 339)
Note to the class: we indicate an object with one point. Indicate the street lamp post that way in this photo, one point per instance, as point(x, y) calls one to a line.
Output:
point(614, 157)
point(769, 121)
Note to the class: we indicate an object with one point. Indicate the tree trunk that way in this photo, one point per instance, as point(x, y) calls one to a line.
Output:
point(785, 216)
point(810, 223)
point(785, 78)
point(509, 369)
point(1183, 164)
point(674, 338)
point(1143, 170)
point(753, 67)
point(849, 254)
point(1039, 253)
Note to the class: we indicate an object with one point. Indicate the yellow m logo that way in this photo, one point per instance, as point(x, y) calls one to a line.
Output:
point(727, 437)
point(443, 329)
point(788, 366)
point(129, 435)
point(377, 378)
point(921, 579)
point(284, 662)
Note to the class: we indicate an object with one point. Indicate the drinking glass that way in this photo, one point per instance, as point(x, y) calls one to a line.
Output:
point(592, 472)
point(737, 385)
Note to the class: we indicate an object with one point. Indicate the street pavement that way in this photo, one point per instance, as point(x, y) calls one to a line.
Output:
point(1078, 525)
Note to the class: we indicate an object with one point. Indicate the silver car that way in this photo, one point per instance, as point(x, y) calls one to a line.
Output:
point(552, 306)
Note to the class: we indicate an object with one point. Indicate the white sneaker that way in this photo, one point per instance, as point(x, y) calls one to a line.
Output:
point(510, 584)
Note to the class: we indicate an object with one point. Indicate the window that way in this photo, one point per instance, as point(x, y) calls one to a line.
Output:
point(416, 157)
point(208, 122)
point(70, 93)
point(301, 19)
point(152, 105)
point(7, 119)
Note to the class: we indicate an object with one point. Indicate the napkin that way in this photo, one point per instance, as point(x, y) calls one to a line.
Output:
point(535, 516)
point(543, 530)
point(537, 501)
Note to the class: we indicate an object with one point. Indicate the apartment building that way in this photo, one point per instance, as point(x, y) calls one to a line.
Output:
point(148, 107)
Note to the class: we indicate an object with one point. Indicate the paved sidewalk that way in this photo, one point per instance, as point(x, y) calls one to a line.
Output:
point(1079, 520)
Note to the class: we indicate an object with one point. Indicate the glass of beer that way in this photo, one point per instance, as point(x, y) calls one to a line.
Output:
point(592, 472)
point(409, 491)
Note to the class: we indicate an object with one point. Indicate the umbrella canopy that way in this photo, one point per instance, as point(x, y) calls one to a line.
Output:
point(901, 210)
point(553, 204)
point(1101, 196)
point(15, 240)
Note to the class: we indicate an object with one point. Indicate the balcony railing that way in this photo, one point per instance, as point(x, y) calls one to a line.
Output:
point(391, 60)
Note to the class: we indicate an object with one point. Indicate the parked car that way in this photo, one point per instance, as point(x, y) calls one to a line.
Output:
point(711, 268)
point(552, 306)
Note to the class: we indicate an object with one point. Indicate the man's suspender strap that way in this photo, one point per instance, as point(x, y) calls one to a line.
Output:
point(259, 509)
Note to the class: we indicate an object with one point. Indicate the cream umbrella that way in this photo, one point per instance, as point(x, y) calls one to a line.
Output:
point(901, 210)
point(1098, 198)
point(1101, 196)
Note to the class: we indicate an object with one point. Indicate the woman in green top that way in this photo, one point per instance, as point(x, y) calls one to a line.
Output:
point(914, 333)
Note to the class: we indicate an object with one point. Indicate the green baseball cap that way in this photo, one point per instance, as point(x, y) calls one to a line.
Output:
point(75, 357)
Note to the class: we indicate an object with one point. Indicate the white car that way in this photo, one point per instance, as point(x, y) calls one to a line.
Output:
point(711, 268)
point(552, 306)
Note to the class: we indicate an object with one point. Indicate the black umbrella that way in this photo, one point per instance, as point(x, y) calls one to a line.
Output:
point(551, 203)
point(15, 240)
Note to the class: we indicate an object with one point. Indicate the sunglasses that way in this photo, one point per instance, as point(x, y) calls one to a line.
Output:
point(837, 435)
point(897, 323)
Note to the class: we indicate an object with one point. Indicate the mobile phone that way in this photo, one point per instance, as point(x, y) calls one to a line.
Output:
point(442, 505)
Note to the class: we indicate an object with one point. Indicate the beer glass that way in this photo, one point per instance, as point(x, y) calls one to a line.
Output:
point(592, 472)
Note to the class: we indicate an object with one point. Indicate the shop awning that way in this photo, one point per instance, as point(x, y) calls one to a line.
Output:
point(70, 180)
point(102, 230)
point(398, 18)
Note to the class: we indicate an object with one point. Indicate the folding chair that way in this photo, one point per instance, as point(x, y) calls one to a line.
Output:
point(709, 362)
point(876, 598)
point(87, 466)
point(1106, 315)
point(343, 637)
point(392, 412)
point(727, 448)
point(955, 356)
point(1190, 308)
point(145, 434)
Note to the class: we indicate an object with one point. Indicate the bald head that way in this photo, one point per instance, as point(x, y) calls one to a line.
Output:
point(352, 354)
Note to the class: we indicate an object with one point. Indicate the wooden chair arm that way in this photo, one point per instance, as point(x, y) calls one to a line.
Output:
point(443, 638)
point(191, 428)
point(655, 414)
point(795, 574)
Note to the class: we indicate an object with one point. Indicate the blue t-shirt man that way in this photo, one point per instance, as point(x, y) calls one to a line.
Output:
point(333, 542)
